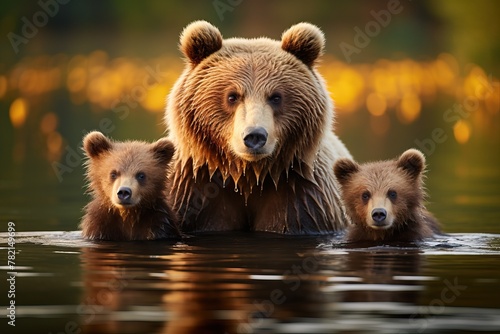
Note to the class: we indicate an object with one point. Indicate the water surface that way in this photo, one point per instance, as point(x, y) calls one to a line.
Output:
point(262, 283)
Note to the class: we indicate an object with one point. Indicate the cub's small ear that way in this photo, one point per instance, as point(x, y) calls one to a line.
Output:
point(344, 169)
point(413, 162)
point(95, 143)
point(163, 150)
point(199, 40)
point(305, 41)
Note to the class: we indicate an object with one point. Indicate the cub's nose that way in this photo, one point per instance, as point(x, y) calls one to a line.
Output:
point(379, 215)
point(255, 137)
point(124, 194)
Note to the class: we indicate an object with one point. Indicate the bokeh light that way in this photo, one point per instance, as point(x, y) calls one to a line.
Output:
point(404, 90)
point(18, 112)
point(461, 131)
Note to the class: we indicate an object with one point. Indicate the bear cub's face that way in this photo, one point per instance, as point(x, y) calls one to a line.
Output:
point(382, 195)
point(127, 174)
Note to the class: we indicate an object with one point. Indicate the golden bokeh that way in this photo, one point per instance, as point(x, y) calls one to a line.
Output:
point(409, 108)
point(403, 88)
point(18, 112)
point(155, 98)
point(77, 79)
point(376, 104)
point(347, 88)
point(461, 131)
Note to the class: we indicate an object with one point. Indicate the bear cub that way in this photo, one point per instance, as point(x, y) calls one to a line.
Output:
point(127, 182)
point(385, 199)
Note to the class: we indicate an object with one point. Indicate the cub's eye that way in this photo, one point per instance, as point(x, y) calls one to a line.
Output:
point(140, 176)
point(113, 175)
point(392, 195)
point(365, 196)
point(275, 99)
point(232, 98)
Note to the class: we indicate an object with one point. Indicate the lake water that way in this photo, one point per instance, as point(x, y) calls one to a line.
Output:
point(246, 282)
point(252, 282)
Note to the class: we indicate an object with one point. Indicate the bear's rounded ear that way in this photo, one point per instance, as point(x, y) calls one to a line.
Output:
point(344, 169)
point(163, 150)
point(96, 143)
point(199, 40)
point(305, 41)
point(413, 162)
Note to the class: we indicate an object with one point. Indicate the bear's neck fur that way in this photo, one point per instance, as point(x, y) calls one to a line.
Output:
point(290, 205)
point(246, 176)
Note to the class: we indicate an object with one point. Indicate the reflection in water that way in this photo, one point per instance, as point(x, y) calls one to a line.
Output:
point(197, 288)
point(269, 284)
point(167, 293)
point(383, 276)
point(114, 291)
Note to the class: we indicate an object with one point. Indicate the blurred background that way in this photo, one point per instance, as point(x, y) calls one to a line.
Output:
point(403, 74)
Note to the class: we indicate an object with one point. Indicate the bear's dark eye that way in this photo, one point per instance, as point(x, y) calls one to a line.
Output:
point(392, 195)
point(275, 99)
point(232, 98)
point(365, 196)
point(113, 175)
point(140, 176)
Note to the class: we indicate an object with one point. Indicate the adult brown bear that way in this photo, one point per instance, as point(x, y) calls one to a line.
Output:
point(252, 123)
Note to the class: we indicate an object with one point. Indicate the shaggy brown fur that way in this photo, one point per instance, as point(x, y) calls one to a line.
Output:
point(230, 88)
point(127, 182)
point(385, 199)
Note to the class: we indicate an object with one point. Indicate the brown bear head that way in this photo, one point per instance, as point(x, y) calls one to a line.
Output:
point(249, 105)
point(382, 194)
point(126, 174)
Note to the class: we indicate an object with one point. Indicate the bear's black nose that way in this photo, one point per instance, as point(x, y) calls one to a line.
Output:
point(379, 215)
point(124, 193)
point(255, 137)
